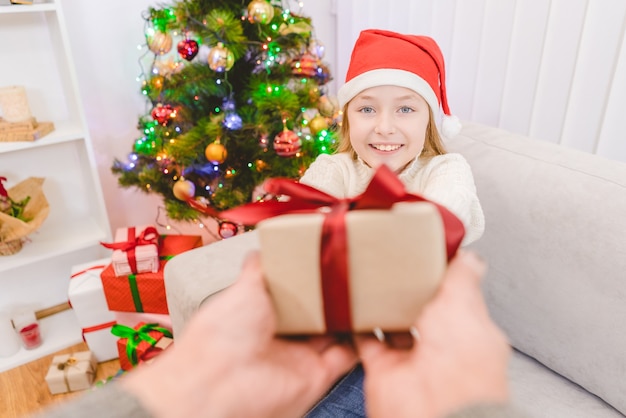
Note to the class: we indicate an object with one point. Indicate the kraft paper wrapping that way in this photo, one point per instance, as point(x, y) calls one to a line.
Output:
point(36, 211)
point(71, 372)
point(396, 260)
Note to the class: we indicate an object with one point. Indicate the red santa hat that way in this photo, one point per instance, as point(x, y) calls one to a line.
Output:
point(385, 58)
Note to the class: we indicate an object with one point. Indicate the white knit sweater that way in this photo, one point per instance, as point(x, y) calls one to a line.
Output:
point(445, 179)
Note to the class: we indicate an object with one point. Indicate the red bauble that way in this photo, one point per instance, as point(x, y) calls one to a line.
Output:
point(188, 49)
point(227, 229)
point(287, 143)
point(305, 66)
point(163, 114)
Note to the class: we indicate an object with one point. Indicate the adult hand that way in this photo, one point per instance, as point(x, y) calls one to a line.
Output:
point(460, 357)
point(228, 362)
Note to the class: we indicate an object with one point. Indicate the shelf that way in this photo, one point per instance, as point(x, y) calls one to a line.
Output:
point(53, 240)
point(28, 8)
point(58, 331)
point(63, 132)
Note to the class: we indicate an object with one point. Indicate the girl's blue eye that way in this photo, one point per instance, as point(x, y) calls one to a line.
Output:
point(405, 109)
point(366, 109)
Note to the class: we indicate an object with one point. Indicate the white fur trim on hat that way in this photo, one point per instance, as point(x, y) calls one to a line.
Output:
point(388, 77)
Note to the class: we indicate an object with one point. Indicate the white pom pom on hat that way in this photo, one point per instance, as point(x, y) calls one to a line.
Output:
point(385, 58)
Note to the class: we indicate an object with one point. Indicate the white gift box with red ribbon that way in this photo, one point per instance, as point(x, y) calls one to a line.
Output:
point(86, 297)
point(136, 250)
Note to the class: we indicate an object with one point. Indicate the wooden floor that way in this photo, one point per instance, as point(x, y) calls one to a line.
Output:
point(23, 390)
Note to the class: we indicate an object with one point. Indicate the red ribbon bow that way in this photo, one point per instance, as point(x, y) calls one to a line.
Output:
point(147, 237)
point(383, 191)
point(3, 191)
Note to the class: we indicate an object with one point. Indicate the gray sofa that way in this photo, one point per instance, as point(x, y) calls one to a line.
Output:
point(555, 242)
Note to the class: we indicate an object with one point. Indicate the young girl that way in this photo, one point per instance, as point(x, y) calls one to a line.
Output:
point(391, 100)
point(395, 87)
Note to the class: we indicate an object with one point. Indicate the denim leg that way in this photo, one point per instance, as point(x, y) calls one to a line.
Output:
point(345, 399)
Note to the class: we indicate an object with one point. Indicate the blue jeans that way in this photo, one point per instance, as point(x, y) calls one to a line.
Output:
point(345, 399)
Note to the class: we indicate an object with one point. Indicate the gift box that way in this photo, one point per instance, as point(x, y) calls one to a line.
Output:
point(134, 343)
point(350, 265)
point(135, 250)
point(163, 344)
point(71, 372)
point(131, 319)
point(145, 292)
point(86, 297)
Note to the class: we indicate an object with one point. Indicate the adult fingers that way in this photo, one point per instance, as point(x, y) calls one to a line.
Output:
point(465, 269)
point(338, 359)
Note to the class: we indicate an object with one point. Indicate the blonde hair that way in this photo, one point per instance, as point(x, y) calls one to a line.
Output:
point(433, 145)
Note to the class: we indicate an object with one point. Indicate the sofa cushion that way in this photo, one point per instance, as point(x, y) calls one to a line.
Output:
point(555, 241)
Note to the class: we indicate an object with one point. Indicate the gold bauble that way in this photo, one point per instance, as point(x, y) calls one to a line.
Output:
point(215, 152)
point(260, 11)
point(184, 189)
point(159, 42)
point(220, 59)
point(318, 124)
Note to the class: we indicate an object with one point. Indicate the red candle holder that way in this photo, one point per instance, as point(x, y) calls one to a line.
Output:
point(28, 329)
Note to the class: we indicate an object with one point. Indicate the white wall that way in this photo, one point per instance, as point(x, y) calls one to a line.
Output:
point(104, 36)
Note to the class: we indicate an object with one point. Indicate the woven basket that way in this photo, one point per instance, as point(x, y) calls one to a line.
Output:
point(10, 247)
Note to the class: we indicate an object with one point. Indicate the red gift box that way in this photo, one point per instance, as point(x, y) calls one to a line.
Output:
point(145, 292)
point(134, 343)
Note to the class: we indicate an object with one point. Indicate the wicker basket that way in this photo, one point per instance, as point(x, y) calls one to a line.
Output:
point(10, 247)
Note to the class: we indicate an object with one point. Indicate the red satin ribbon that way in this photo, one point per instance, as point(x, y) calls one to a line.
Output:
point(384, 190)
point(97, 328)
point(148, 236)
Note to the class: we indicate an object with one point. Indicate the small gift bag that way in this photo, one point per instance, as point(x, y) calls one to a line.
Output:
point(71, 372)
point(134, 343)
point(350, 265)
point(135, 250)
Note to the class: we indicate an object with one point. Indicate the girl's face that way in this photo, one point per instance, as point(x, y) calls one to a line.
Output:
point(388, 126)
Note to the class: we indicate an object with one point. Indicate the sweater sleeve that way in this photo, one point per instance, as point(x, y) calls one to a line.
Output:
point(327, 174)
point(107, 401)
point(489, 411)
point(449, 182)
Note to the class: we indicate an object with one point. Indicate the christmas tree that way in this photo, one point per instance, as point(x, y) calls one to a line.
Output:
point(236, 94)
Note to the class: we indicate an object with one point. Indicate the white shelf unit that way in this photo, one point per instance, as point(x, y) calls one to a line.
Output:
point(37, 55)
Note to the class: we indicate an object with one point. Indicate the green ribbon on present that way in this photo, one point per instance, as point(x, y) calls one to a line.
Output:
point(136, 336)
point(134, 291)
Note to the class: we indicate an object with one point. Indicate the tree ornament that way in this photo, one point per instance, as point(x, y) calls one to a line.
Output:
point(215, 152)
point(188, 49)
point(318, 124)
point(260, 11)
point(184, 189)
point(156, 82)
point(227, 229)
point(159, 42)
point(322, 74)
point(305, 66)
point(287, 143)
point(327, 106)
point(264, 141)
point(220, 59)
point(163, 114)
point(232, 120)
point(317, 48)
point(260, 165)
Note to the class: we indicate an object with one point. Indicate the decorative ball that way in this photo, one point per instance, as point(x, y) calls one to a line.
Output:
point(260, 165)
point(287, 143)
point(260, 11)
point(159, 42)
point(184, 189)
point(227, 229)
point(156, 82)
point(220, 59)
point(317, 48)
point(322, 74)
point(188, 49)
point(305, 66)
point(233, 121)
point(317, 124)
point(215, 152)
point(326, 106)
point(163, 114)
